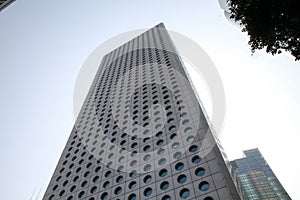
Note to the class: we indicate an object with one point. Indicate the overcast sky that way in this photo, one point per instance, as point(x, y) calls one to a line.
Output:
point(45, 43)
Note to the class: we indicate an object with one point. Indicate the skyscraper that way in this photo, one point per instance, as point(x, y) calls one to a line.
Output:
point(141, 132)
point(256, 179)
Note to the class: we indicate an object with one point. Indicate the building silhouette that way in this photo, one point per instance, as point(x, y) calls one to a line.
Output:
point(141, 132)
point(255, 178)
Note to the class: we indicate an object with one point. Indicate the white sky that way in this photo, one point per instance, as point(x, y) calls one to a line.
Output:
point(45, 43)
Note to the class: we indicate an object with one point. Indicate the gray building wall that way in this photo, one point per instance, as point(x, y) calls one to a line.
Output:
point(141, 133)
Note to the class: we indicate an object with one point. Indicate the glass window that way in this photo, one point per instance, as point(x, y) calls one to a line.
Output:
point(166, 197)
point(147, 179)
point(200, 171)
point(118, 190)
point(162, 161)
point(163, 173)
point(94, 189)
point(196, 159)
point(119, 179)
point(177, 155)
point(106, 184)
point(184, 193)
point(132, 197)
point(164, 185)
point(181, 179)
point(193, 148)
point(132, 185)
point(104, 196)
point(203, 186)
point(147, 167)
point(147, 192)
point(179, 166)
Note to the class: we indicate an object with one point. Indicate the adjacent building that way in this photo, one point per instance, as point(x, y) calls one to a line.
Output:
point(141, 132)
point(5, 3)
point(255, 178)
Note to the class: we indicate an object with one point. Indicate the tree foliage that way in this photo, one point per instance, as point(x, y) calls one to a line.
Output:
point(274, 24)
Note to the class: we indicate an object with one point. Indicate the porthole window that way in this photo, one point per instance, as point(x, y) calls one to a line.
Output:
point(196, 159)
point(173, 136)
point(177, 155)
point(132, 174)
point(133, 163)
point(147, 139)
point(121, 159)
point(184, 122)
point(62, 193)
point(118, 191)
point(159, 134)
point(96, 179)
point(184, 193)
point(164, 185)
point(163, 173)
point(132, 185)
point(166, 197)
point(147, 167)
point(181, 178)
point(104, 196)
point(106, 184)
point(183, 114)
point(81, 194)
point(108, 173)
point(86, 174)
point(199, 171)
point(159, 142)
point(175, 145)
point(160, 151)
point(193, 148)
point(147, 192)
point(84, 183)
point(72, 188)
point(208, 198)
point(172, 128)
point(97, 169)
point(134, 145)
point(190, 139)
point(147, 148)
point(75, 178)
point(132, 197)
point(188, 130)
point(179, 166)
point(147, 157)
point(170, 120)
point(162, 161)
point(70, 198)
point(58, 178)
point(147, 179)
point(203, 186)
point(158, 126)
point(54, 188)
point(94, 189)
point(119, 179)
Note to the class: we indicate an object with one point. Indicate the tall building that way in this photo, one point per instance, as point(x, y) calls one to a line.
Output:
point(5, 3)
point(141, 132)
point(255, 178)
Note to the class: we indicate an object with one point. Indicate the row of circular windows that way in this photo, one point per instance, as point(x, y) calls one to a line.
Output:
point(200, 171)
point(133, 163)
point(183, 193)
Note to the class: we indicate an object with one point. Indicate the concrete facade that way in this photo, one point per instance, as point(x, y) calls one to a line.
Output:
point(141, 133)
